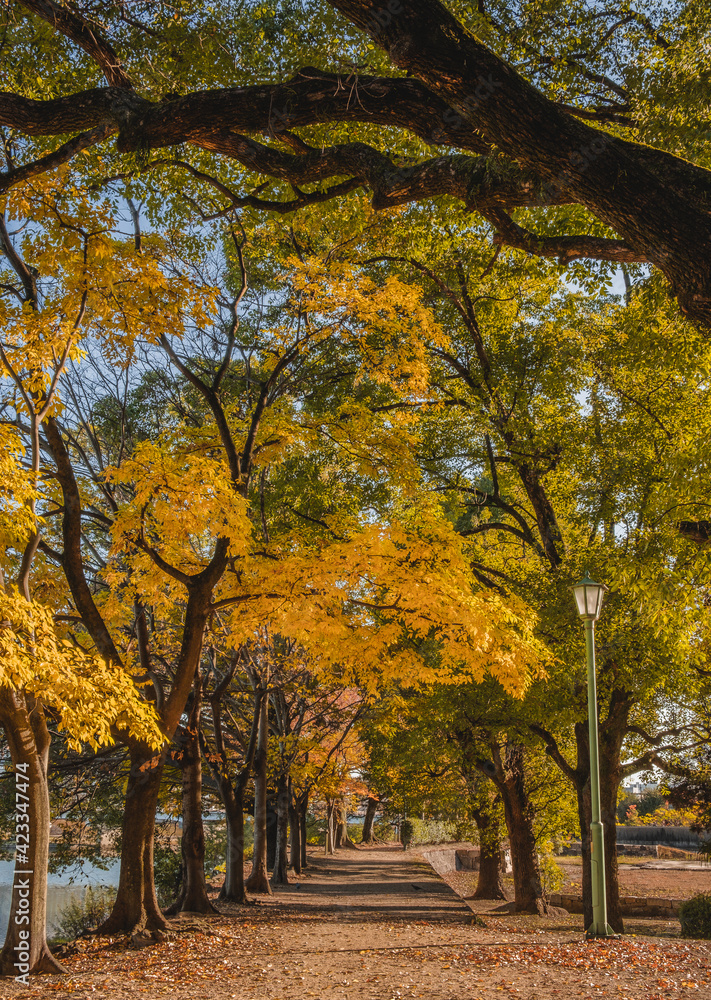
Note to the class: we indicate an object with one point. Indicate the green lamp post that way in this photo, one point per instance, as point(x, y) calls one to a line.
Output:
point(588, 597)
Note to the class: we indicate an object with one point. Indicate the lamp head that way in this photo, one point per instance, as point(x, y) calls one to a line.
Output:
point(588, 597)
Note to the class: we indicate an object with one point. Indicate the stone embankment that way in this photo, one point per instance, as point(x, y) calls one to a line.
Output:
point(631, 906)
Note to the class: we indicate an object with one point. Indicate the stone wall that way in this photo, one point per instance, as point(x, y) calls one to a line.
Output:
point(631, 906)
point(458, 857)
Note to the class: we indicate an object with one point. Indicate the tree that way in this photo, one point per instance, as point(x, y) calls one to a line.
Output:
point(44, 676)
point(45, 673)
point(443, 749)
point(537, 483)
point(371, 809)
point(504, 138)
point(192, 897)
point(230, 754)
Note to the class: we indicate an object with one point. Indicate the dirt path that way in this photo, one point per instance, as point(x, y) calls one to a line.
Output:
point(376, 925)
point(366, 885)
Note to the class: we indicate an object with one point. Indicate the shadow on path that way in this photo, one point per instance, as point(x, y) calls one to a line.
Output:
point(369, 883)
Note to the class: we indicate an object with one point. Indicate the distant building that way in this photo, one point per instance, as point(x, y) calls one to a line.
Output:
point(640, 787)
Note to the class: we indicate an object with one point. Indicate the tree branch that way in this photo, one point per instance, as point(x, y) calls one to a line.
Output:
point(85, 34)
point(565, 248)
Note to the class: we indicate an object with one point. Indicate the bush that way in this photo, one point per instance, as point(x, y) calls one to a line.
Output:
point(216, 846)
point(167, 865)
point(695, 916)
point(426, 831)
point(552, 874)
point(85, 914)
point(406, 832)
point(650, 801)
point(315, 830)
point(434, 831)
point(384, 830)
point(626, 801)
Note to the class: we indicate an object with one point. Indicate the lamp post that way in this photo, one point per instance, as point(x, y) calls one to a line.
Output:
point(588, 597)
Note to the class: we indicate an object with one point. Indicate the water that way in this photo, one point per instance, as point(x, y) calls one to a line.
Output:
point(63, 888)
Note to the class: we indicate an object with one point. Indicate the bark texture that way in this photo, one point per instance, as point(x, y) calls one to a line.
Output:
point(340, 825)
point(136, 907)
point(330, 836)
point(28, 738)
point(272, 831)
point(518, 811)
point(303, 811)
point(258, 880)
point(193, 897)
point(294, 833)
point(233, 888)
point(490, 883)
point(370, 811)
point(281, 860)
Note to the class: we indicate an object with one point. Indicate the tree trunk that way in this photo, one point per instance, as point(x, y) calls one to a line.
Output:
point(612, 732)
point(258, 880)
point(612, 735)
point(295, 833)
point(193, 896)
point(279, 874)
point(136, 908)
point(232, 793)
point(609, 785)
point(341, 838)
point(303, 810)
point(528, 886)
point(329, 827)
point(272, 825)
point(370, 811)
point(233, 888)
point(25, 951)
point(490, 884)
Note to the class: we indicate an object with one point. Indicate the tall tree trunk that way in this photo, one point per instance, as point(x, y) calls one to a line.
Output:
point(294, 833)
point(232, 792)
point(272, 827)
point(25, 951)
point(279, 874)
point(609, 786)
point(136, 907)
point(612, 732)
point(193, 896)
point(340, 825)
point(612, 735)
point(258, 880)
point(518, 811)
point(303, 811)
point(490, 884)
point(330, 849)
point(233, 888)
point(370, 811)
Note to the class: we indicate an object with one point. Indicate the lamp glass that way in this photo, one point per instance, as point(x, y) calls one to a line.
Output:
point(588, 597)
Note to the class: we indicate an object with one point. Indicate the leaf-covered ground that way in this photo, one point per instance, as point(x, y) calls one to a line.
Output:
point(378, 925)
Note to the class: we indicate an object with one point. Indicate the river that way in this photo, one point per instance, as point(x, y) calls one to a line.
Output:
point(62, 888)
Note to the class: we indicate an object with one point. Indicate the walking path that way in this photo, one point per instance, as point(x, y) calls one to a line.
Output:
point(381, 884)
point(374, 925)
